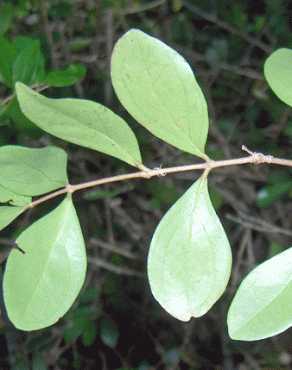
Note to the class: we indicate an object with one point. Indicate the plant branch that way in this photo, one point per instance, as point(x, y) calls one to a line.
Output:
point(253, 158)
point(258, 224)
point(116, 269)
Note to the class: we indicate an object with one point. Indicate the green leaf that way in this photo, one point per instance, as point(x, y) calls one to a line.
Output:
point(13, 198)
point(278, 73)
point(82, 122)
point(75, 329)
point(89, 334)
point(21, 43)
point(28, 67)
point(158, 88)
point(269, 194)
point(67, 76)
point(78, 322)
point(8, 214)
point(41, 285)
point(109, 333)
point(261, 307)
point(189, 260)
point(30, 171)
point(21, 122)
point(7, 55)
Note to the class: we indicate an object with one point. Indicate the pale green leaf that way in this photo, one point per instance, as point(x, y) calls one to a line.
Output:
point(278, 73)
point(41, 285)
point(158, 88)
point(261, 307)
point(81, 122)
point(7, 196)
point(190, 257)
point(30, 171)
point(8, 214)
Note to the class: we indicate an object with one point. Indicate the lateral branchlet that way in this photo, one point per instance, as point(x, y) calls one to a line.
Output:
point(160, 171)
point(257, 158)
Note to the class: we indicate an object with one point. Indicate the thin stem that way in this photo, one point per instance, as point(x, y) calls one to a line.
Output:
point(255, 158)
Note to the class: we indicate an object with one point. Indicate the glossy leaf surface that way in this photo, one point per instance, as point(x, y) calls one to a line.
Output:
point(82, 122)
point(41, 285)
point(158, 88)
point(29, 171)
point(278, 73)
point(261, 307)
point(190, 257)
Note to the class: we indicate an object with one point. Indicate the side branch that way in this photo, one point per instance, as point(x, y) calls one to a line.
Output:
point(254, 158)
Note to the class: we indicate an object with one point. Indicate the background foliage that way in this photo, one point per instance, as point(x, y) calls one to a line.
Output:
point(115, 323)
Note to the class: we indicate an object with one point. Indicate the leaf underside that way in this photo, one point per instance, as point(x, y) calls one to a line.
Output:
point(158, 88)
point(30, 171)
point(41, 285)
point(81, 122)
point(278, 73)
point(261, 307)
point(189, 260)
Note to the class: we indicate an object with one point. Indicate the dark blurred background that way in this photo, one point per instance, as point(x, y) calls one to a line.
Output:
point(115, 322)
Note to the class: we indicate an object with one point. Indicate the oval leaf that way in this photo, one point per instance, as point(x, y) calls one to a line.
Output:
point(41, 285)
point(261, 307)
point(30, 171)
point(190, 257)
point(278, 73)
point(158, 88)
point(81, 122)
